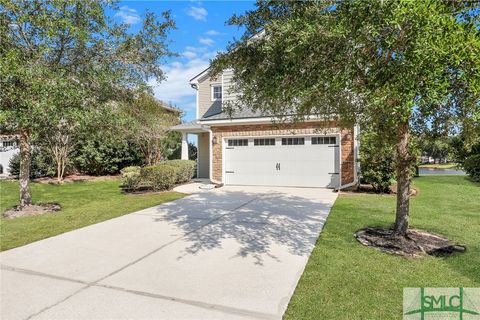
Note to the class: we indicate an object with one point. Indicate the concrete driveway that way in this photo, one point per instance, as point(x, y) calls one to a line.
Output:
point(227, 253)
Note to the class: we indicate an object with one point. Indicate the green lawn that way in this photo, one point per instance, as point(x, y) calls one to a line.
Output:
point(83, 203)
point(439, 166)
point(345, 280)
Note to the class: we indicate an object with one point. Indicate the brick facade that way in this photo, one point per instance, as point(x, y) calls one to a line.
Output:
point(347, 145)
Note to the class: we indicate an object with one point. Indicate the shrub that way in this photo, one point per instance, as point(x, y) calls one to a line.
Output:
point(377, 162)
point(107, 156)
point(160, 177)
point(472, 167)
point(460, 150)
point(131, 178)
point(186, 169)
point(41, 164)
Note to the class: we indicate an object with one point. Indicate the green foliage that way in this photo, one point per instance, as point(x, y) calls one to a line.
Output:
point(64, 58)
point(377, 161)
point(103, 144)
point(60, 56)
point(159, 177)
point(131, 177)
point(41, 164)
point(472, 167)
point(186, 169)
point(148, 121)
point(436, 147)
point(460, 150)
point(104, 156)
point(192, 151)
point(366, 61)
point(176, 152)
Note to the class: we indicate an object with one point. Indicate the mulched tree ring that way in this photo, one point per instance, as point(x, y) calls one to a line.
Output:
point(32, 210)
point(415, 244)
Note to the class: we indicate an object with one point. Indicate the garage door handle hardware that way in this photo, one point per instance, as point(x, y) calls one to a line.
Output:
point(277, 166)
point(229, 171)
point(335, 146)
point(334, 173)
point(229, 148)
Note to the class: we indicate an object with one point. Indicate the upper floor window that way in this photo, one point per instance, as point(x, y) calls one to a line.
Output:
point(216, 93)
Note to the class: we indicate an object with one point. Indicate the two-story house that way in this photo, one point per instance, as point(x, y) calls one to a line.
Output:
point(246, 148)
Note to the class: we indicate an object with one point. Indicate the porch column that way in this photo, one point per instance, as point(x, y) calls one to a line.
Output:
point(184, 146)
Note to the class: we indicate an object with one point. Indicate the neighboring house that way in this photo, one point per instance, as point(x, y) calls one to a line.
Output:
point(245, 148)
point(8, 148)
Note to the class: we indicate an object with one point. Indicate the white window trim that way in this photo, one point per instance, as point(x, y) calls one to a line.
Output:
point(211, 91)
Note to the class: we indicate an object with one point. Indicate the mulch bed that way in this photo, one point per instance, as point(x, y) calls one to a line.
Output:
point(32, 210)
point(76, 178)
point(368, 189)
point(416, 243)
point(142, 191)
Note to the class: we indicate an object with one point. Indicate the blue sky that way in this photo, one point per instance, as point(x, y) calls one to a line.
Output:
point(201, 33)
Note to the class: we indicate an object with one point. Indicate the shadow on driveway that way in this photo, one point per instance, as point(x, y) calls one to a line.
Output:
point(288, 217)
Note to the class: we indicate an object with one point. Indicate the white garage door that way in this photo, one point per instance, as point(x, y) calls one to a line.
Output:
point(283, 161)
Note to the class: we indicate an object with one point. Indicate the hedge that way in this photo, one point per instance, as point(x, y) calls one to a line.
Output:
point(159, 177)
point(131, 178)
point(186, 169)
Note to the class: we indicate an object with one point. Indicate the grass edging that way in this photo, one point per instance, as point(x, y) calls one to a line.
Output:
point(83, 204)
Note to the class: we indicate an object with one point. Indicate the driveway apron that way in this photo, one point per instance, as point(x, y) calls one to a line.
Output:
point(228, 253)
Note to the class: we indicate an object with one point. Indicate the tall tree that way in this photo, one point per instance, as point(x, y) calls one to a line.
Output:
point(148, 123)
point(368, 62)
point(59, 55)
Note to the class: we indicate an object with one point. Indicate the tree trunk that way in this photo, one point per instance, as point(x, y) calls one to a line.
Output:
point(25, 158)
point(59, 171)
point(403, 180)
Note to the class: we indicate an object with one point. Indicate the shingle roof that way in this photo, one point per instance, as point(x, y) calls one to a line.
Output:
point(191, 125)
point(235, 114)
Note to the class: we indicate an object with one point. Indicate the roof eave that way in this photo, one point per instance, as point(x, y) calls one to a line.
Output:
point(194, 80)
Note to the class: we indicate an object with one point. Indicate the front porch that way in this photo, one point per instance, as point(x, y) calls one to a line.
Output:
point(203, 145)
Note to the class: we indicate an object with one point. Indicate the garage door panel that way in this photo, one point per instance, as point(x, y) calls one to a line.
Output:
point(249, 165)
point(282, 165)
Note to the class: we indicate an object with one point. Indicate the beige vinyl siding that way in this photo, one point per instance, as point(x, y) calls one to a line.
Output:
point(203, 155)
point(208, 107)
point(205, 104)
point(228, 94)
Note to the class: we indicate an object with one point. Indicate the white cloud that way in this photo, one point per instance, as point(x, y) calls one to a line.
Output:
point(196, 49)
point(176, 88)
point(128, 15)
point(212, 33)
point(198, 13)
point(198, 52)
point(189, 54)
point(206, 41)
